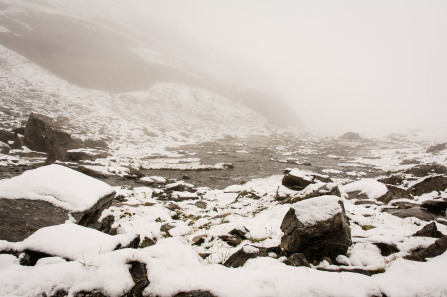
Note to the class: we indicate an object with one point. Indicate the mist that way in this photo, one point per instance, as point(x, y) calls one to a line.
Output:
point(344, 65)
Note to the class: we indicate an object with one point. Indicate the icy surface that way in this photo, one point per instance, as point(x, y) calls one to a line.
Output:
point(58, 185)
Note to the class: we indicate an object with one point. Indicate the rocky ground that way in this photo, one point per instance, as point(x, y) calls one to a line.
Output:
point(258, 216)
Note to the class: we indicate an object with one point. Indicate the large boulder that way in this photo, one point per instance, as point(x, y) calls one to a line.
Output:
point(317, 227)
point(430, 184)
point(41, 134)
point(48, 196)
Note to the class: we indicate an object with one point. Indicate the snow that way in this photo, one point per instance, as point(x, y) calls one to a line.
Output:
point(59, 185)
point(248, 249)
point(69, 241)
point(318, 209)
point(371, 187)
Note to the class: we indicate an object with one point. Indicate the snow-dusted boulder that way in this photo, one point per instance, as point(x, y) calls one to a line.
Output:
point(366, 188)
point(296, 179)
point(48, 196)
point(317, 227)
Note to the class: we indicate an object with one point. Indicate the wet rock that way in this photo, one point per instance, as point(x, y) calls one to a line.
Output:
point(4, 148)
point(196, 293)
point(433, 250)
point(386, 249)
point(429, 230)
point(430, 184)
point(437, 148)
point(416, 212)
point(297, 260)
point(41, 134)
point(239, 258)
point(325, 235)
point(436, 206)
point(394, 193)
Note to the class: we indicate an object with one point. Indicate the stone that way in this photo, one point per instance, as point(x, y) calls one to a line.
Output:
point(231, 240)
point(426, 169)
point(200, 204)
point(430, 184)
point(41, 134)
point(316, 236)
point(433, 250)
point(429, 230)
point(146, 242)
point(247, 252)
point(416, 212)
point(24, 210)
point(106, 225)
point(18, 142)
point(240, 231)
point(394, 193)
point(297, 259)
point(96, 143)
point(386, 249)
point(436, 206)
point(437, 148)
point(199, 239)
point(138, 272)
point(6, 135)
point(297, 180)
point(4, 148)
point(351, 136)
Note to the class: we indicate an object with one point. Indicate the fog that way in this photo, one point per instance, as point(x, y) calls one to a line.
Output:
point(342, 65)
point(361, 66)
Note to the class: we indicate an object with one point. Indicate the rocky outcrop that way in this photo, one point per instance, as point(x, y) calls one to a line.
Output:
point(41, 134)
point(394, 193)
point(430, 184)
point(317, 227)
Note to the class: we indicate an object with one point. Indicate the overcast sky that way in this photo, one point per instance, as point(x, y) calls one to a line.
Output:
point(343, 65)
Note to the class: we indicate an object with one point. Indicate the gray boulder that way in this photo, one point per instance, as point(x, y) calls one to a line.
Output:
point(430, 184)
point(429, 230)
point(433, 250)
point(317, 227)
point(48, 196)
point(4, 148)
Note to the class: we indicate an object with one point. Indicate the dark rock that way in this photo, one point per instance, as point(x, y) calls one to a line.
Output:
point(403, 204)
point(248, 194)
point(133, 244)
point(239, 258)
point(94, 293)
point(42, 135)
point(433, 250)
point(427, 169)
point(394, 193)
point(430, 184)
point(351, 136)
point(386, 249)
point(146, 242)
point(297, 259)
point(416, 212)
point(197, 293)
point(185, 177)
point(4, 148)
point(366, 202)
point(231, 240)
point(166, 227)
point(328, 238)
point(200, 204)
point(30, 258)
point(436, 206)
point(98, 143)
point(366, 272)
point(6, 135)
point(20, 130)
point(91, 172)
point(295, 183)
point(106, 225)
point(241, 232)
point(18, 142)
point(437, 148)
point(138, 272)
point(199, 239)
point(429, 230)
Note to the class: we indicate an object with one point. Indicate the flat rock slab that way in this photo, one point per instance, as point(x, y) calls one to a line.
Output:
point(47, 196)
